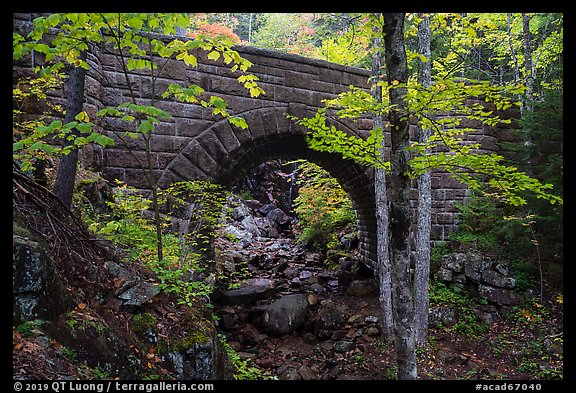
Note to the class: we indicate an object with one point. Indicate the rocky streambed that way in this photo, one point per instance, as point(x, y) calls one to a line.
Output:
point(304, 315)
point(298, 320)
point(300, 314)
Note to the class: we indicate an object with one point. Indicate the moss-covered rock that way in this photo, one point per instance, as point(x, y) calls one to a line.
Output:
point(182, 344)
point(141, 323)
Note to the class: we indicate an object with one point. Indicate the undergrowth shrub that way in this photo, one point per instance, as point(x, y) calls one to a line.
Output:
point(184, 269)
point(244, 369)
point(323, 208)
point(467, 321)
point(507, 233)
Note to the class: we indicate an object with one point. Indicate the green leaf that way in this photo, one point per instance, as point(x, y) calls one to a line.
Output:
point(187, 58)
point(108, 111)
point(102, 140)
point(218, 102)
point(153, 23)
point(238, 122)
point(57, 124)
point(42, 48)
point(48, 148)
point(135, 22)
point(54, 19)
point(84, 127)
point(17, 146)
point(146, 126)
point(36, 146)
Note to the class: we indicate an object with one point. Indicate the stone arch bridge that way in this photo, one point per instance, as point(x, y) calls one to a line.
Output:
point(195, 144)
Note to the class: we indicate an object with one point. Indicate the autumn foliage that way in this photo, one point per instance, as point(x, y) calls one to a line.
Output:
point(214, 30)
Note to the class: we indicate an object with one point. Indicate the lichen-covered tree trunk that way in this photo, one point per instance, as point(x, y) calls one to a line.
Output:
point(422, 268)
point(64, 183)
point(400, 214)
point(382, 237)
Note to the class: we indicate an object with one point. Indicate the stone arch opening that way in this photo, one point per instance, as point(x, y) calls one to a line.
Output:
point(354, 179)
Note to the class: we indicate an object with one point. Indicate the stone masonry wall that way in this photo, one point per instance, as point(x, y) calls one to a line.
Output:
point(195, 144)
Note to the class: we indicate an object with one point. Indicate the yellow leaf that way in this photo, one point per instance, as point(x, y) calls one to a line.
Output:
point(82, 116)
point(214, 55)
point(560, 299)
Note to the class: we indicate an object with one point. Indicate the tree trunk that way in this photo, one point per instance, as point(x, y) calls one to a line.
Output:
point(529, 97)
point(154, 196)
point(527, 38)
point(150, 167)
point(250, 28)
point(422, 268)
point(382, 236)
point(511, 44)
point(516, 68)
point(64, 184)
point(400, 214)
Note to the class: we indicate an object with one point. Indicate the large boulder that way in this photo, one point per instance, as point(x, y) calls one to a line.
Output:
point(249, 291)
point(134, 292)
point(137, 295)
point(329, 318)
point(362, 288)
point(240, 211)
point(205, 359)
point(278, 217)
point(286, 314)
point(497, 279)
point(251, 226)
point(506, 297)
point(454, 262)
point(37, 288)
point(475, 266)
point(482, 276)
point(266, 228)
